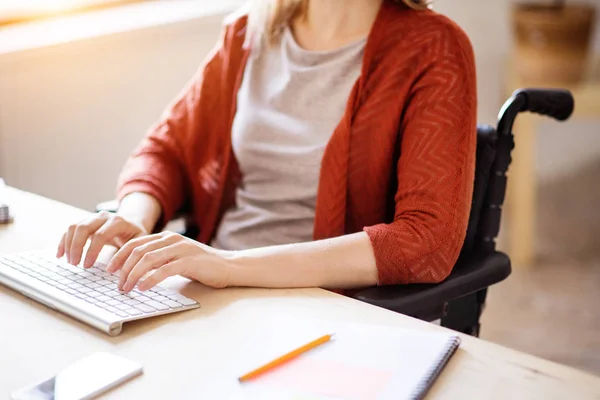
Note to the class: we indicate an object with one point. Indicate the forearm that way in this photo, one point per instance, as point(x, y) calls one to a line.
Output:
point(342, 262)
point(141, 209)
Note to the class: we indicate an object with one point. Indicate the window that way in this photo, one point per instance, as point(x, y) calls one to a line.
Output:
point(14, 11)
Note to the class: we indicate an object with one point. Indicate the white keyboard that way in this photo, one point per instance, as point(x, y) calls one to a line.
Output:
point(90, 295)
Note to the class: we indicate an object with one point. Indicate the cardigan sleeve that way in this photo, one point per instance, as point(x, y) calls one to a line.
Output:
point(435, 169)
point(157, 165)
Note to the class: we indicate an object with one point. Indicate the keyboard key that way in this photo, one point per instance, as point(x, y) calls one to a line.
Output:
point(29, 265)
point(113, 302)
point(74, 285)
point(112, 309)
point(145, 308)
point(84, 289)
point(184, 300)
point(91, 300)
point(132, 311)
point(123, 306)
point(95, 294)
point(70, 291)
point(94, 278)
point(103, 282)
point(81, 295)
point(78, 271)
point(161, 299)
point(112, 278)
point(121, 314)
point(132, 302)
point(102, 289)
point(64, 272)
point(103, 298)
point(93, 285)
point(173, 304)
point(121, 297)
point(152, 295)
point(157, 305)
point(53, 267)
point(14, 266)
point(113, 293)
point(83, 281)
point(61, 287)
point(143, 299)
point(102, 274)
point(20, 268)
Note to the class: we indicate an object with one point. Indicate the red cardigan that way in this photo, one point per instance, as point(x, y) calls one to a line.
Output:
point(400, 164)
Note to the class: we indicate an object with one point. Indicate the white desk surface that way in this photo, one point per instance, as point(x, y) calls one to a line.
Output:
point(178, 351)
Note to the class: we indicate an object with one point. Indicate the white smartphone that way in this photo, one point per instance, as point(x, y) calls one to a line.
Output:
point(85, 379)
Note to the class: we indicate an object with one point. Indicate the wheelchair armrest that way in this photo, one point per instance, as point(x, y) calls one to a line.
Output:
point(468, 276)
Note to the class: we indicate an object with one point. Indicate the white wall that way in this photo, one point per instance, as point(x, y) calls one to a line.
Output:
point(70, 114)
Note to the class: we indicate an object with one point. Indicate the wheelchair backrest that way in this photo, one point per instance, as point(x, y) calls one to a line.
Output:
point(488, 190)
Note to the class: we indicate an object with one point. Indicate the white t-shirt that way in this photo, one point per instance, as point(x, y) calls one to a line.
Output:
point(289, 103)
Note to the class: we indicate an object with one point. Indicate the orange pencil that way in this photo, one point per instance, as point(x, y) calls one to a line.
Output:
point(284, 358)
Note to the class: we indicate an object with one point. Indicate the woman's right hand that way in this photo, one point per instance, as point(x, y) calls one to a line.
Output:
point(101, 229)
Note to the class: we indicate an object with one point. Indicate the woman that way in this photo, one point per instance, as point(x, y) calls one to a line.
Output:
point(324, 143)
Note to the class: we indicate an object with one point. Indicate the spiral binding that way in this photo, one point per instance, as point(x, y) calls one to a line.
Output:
point(436, 369)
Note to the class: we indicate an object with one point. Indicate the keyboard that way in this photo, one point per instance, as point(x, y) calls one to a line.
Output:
point(89, 295)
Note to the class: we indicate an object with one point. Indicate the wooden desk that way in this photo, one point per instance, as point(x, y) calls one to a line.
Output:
point(179, 351)
point(521, 198)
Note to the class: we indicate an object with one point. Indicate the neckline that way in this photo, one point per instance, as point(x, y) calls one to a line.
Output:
point(289, 36)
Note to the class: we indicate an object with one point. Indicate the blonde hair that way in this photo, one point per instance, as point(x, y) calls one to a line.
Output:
point(266, 18)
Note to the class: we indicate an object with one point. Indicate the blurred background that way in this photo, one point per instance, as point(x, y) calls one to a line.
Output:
point(82, 80)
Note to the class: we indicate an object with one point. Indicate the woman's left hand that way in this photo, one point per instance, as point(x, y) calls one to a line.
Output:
point(168, 254)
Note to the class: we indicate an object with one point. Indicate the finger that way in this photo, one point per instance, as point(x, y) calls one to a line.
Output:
point(61, 246)
point(136, 255)
point(124, 252)
point(69, 239)
point(81, 235)
point(104, 235)
point(153, 259)
point(171, 269)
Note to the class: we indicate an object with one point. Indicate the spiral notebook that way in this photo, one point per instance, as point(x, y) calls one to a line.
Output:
point(361, 362)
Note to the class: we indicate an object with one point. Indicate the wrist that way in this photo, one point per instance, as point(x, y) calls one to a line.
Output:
point(233, 264)
point(140, 209)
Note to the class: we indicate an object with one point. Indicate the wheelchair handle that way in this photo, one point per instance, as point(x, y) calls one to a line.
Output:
point(555, 103)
